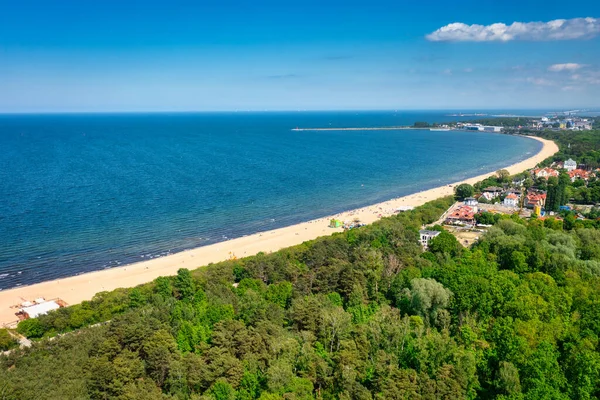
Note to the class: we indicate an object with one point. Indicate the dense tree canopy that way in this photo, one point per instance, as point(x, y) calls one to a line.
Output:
point(359, 315)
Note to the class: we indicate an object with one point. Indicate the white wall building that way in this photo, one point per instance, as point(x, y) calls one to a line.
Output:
point(511, 200)
point(570, 165)
point(426, 236)
point(471, 201)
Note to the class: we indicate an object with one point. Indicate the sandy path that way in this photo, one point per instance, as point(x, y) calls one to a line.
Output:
point(83, 287)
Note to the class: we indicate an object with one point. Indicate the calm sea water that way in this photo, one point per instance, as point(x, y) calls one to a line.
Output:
point(86, 192)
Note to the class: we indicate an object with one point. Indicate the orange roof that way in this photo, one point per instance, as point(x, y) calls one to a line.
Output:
point(535, 197)
point(512, 196)
point(580, 173)
point(548, 171)
point(464, 212)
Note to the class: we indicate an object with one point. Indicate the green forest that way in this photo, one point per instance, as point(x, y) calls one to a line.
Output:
point(363, 314)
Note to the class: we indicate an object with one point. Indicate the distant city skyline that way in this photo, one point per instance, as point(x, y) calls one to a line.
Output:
point(265, 55)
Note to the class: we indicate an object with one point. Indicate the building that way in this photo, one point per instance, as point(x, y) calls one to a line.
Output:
point(511, 200)
point(426, 236)
point(535, 199)
point(471, 201)
point(463, 215)
point(570, 165)
point(493, 192)
point(579, 174)
point(492, 128)
point(39, 307)
point(473, 127)
point(518, 182)
point(545, 173)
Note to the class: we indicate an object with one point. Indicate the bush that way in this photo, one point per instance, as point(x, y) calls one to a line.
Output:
point(7, 342)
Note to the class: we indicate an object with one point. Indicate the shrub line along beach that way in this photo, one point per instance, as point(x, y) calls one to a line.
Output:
point(76, 289)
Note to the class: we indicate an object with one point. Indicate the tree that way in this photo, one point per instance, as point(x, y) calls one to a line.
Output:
point(163, 286)
point(32, 328)
point(502, 175)
point(157, 352)
point(184, 284)
point(509, 378)
point(280, 293)
point(463, 191)
point(553, 195)
point(445, 243)
point(222, 390)
point(428, 297)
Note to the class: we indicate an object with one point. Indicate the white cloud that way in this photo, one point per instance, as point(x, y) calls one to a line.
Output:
point(559, 29)
point(540, 81)
point(587, 77)
point(565, 67)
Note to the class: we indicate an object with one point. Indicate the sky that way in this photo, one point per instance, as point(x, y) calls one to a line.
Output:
point(120, 56)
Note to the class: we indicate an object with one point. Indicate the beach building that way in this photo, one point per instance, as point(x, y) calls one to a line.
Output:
point(426, 236)
point(39, 307)
point(570, 165)
point(511, 200)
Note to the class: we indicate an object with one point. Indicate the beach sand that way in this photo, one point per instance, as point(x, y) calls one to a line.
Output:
point(76, 289)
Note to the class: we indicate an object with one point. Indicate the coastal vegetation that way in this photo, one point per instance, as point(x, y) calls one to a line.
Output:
point(363, 314)
point(463, 191)
point(7, 341)
point(360, 315)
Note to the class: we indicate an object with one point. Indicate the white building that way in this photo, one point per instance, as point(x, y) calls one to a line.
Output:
point(492, 192)
point(426, 236)
point(492, 128)
point(511, 200)
point(33, 311)
point(471, 201)
point(570, 165)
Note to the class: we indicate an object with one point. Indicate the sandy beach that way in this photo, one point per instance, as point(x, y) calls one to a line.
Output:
point(78, 288)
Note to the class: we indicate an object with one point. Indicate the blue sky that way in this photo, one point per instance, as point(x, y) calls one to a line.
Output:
point(276, 55)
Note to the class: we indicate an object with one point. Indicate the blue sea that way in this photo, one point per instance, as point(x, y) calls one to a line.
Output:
point(81, 192)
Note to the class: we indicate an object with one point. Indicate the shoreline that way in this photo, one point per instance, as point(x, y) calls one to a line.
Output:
point(78, 288)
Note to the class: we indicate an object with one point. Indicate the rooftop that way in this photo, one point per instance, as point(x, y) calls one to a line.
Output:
point(40, 309)
point(428, 232)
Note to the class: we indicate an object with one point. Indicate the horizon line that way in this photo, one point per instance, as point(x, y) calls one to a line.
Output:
point(460, 110)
